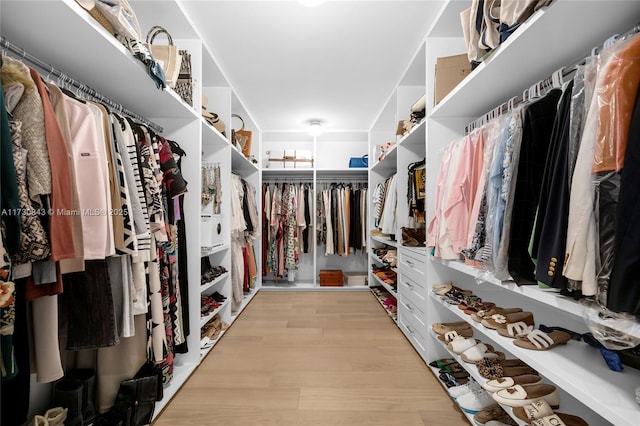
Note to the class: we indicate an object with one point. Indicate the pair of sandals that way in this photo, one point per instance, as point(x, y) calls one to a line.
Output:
point(540, 413)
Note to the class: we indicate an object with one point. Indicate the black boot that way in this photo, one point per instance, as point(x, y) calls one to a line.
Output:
point(67, 393)
point(88, 378)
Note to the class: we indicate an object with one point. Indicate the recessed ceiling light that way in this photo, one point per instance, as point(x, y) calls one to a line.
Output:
point(314, 128)
point(311, 3)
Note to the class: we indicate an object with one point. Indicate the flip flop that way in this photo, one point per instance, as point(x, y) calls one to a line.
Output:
point(538, 340)
point(519, 396)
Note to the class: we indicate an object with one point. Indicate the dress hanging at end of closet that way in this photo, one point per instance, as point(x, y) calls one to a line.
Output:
point(341, 214)
point(286, 227)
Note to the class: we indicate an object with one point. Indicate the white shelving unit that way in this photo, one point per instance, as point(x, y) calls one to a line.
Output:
point(554, 37)
point(331, 152)
point(107, 66)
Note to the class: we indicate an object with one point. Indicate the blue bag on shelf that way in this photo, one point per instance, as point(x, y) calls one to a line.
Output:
point(359, 162)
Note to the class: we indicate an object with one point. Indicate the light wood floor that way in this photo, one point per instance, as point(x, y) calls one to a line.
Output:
point(312, 358)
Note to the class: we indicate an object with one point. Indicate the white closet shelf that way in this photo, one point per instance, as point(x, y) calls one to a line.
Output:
point(104, 60)
point(245, 301)
point(550, 297)
point(388, 163)
point(384, 240)
point(436, 373)
point(415, 137)
point(393, 316)
point(209, 316)
point(386, 286)
point(240, 163)
point(181, 372)
point(381, 262)
point(578, 369)
point(206, 251)
point(447, 20)
point(149, 14)
point(211, 135)
point(213, 282)
point(540, 46)
point(288, 173)
point(339, 173)
point(206, 345)
point(473, 372)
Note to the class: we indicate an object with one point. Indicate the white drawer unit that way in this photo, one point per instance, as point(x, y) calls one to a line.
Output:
point(413, 263)
point(418, 287)
point(413, 328)
point(413, 302)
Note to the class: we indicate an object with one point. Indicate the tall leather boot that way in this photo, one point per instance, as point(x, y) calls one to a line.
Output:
point(67, 393)
point(56, 416)
point(88, 378)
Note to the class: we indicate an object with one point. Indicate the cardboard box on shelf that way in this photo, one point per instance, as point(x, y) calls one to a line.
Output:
point(450, 71)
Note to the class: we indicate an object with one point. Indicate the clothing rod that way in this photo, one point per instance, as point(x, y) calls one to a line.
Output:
point(542, 85)
point(88, 91)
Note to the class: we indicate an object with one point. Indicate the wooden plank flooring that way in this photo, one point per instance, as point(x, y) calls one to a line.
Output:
point(312, 359)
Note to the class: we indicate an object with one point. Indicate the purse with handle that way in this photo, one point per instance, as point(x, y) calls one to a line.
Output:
point(241, 138)
point(167, 56)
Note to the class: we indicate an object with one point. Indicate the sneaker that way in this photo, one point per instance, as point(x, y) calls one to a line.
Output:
point(457, 391)
point(474, 401)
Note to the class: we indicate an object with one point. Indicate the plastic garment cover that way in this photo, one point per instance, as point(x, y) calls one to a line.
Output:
point(614, 330)
point(121, 16)
point(616, 94)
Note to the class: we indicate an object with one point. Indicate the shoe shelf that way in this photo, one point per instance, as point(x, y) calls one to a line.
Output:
point(550, 296)
point(386, 286)
point(392, 315)
point(385, 240)
point(475, 375)
point(436, 373)
point(216, 280)
point(207, 344)
point(245, 301)
point(206, 251)
point(576, 368)
point(415, 137)
point(379, 260)
point(181, 372)
point(387, 165)
point(205, 319)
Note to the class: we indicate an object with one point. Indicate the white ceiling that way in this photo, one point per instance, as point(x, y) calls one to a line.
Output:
point(337, 62)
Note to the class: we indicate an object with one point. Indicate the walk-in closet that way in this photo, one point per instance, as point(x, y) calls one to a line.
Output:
point(308, 212)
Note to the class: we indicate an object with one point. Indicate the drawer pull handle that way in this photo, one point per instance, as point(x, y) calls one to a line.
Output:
point(409, 328)
point(409, 285)
point(410, 263)
point(409, 307)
